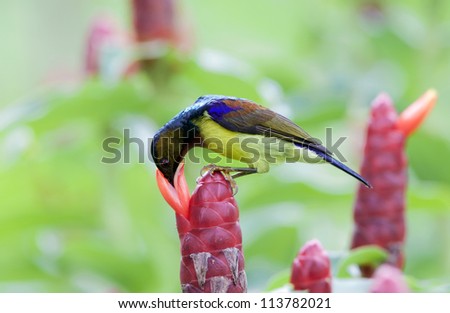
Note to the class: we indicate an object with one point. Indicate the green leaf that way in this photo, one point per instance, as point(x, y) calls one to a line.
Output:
point(279, 280)
point(372, 255)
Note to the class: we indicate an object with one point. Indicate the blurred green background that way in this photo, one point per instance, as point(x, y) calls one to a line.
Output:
point(70, 223)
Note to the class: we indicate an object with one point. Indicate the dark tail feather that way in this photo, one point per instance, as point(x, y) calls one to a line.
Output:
point(328, 158)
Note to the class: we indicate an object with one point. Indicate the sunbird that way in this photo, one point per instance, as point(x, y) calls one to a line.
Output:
point(241, 130)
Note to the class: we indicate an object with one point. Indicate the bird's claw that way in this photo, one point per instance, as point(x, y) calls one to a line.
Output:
point(209, 169)
point(226, 171)
point(232, 182)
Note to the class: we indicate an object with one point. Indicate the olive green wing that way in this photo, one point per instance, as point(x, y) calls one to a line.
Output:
point(244, 116)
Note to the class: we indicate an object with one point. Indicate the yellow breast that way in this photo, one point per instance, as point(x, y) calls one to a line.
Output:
point(255, 150)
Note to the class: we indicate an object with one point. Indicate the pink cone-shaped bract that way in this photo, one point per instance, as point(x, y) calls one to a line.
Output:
point(211, 240)
point(311, 269)
point(209, 232)
point(379, 212)
point(388, 278)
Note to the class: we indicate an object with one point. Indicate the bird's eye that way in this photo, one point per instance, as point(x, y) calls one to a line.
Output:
point(164, 162)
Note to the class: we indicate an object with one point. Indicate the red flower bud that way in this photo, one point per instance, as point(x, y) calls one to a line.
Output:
point(379, 212)
point(388, 278)
point(210, 234)
point(311, 269)
point(104, 34)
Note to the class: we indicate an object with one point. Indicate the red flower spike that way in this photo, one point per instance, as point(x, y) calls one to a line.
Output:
point(388, 278)
point(413, 116)
point(379, 213)
point(177, 197)
point(311, 269)
point(211, 240)
point(154, 20)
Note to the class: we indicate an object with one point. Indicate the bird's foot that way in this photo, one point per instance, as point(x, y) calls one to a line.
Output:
point(226, 170)
point(211, 168)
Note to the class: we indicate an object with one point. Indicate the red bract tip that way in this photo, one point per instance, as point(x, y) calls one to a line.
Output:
point(177, 197)
point(182, 188)
point(311, 269)
point(388, 278)
point(413, 116)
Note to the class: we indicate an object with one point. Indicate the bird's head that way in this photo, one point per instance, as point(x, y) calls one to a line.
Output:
point(168, 149)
